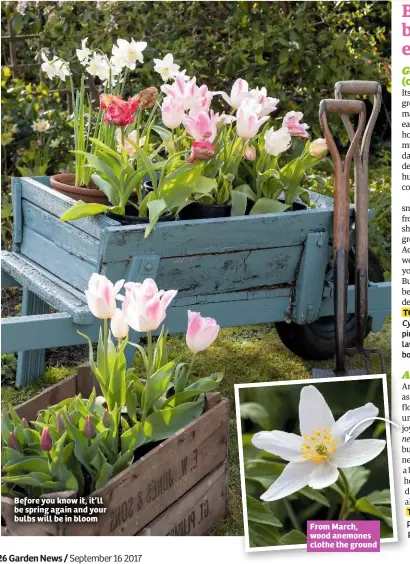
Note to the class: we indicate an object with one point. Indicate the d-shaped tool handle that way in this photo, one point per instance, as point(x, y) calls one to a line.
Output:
point(357, 87)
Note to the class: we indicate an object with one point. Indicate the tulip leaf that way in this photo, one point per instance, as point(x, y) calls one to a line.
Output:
point(206, 384)
point(166, 422)
point(157, 384)
point(123, 462)
point(260, 513)
point(181, 377)
point(165, 134)
point(104, 475)
point(133, 438)
point(35, 464)
point(107, 188)
point(239, 203)
point(247, 190)
point(117, 387)
point(81, 209)
point(266, 205)
point(205, 185)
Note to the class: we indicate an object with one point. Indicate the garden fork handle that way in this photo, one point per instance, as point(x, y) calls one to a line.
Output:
point(341, 223)
point(361, 165)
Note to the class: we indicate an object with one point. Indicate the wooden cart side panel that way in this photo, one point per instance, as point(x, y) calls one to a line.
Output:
point(65, 235)
point(143, 491)
point(218, 273)
point(38, 191)
point(69, 268)
point(213, 236)
point(197, 512)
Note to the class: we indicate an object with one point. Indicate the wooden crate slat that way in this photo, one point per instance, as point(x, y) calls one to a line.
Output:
point(197, 512)
point(69, 268)
point(158, 479)
point(64, 235)
point(213, 236)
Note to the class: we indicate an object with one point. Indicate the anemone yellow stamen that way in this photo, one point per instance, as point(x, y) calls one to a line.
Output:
point(319, 446)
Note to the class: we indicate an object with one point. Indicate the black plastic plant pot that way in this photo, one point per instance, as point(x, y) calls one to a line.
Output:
point(131, 217)
point(195, 210)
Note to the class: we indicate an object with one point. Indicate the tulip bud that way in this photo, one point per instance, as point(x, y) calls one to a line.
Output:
point(89, 429)
point(13, 442)
point(119, 327)
point(147, 97)
point(60, 427)
point(106, 418)
point(318, 148)
point(201, 150)
point(45, 442)
point(250, 153)
point(25, 423)
point(201, 332)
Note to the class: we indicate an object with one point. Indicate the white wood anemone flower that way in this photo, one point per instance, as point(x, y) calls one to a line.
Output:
point(314, 457)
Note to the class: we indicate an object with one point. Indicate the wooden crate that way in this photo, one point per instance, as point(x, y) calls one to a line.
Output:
point(178, 488)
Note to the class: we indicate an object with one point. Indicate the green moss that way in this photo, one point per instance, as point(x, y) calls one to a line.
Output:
point(244, 355)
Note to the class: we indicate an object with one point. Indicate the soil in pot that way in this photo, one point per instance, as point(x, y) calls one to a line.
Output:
point(195, 210)
point(65, 183)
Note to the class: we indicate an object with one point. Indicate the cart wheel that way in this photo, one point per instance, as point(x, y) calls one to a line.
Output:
point(316, 341)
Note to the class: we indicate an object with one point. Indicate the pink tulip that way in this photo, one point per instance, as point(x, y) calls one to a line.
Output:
point(268, 105)
point(130, 149)
point(145, 306)
point(182, 91)
point(172, 112)
point(201, 332)
point(46, 442)
point(291, 122)
point(119, 327)
point(202, 127)
point(238, 93)
point(250, 153)
point(201, 150)
point(247, 120)
point(101, 295)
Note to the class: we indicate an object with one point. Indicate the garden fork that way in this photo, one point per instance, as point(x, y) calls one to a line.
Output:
point(341, 223)
point(361, 171)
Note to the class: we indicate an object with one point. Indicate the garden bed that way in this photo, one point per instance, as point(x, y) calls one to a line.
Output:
point(177, 488)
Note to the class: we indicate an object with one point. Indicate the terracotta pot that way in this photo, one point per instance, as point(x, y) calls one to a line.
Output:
point(64, 183)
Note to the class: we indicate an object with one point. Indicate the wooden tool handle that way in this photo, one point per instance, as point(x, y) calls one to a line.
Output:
point(341, 106)
point(357, 87)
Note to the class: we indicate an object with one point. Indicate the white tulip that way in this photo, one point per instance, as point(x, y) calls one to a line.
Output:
point(248, 121)
point(101, 295)
point(119, 327)
point(314, 457)
point(277, 142)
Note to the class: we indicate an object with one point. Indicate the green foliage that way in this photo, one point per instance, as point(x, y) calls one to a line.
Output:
point(284, 521)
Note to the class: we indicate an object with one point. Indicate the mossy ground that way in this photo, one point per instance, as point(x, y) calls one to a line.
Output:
point(244, 355)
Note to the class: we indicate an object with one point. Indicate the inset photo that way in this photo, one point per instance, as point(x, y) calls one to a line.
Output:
point(315, 456)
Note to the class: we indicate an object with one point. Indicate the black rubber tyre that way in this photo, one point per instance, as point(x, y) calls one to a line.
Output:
point(316, 341)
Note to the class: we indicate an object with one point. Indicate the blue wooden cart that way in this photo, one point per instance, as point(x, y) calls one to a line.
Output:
point(240, 270)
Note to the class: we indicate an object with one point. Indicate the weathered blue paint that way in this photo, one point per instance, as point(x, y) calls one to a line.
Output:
point(308, 293)
point(17, 212)
point(240, 270)
point(30, 364)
